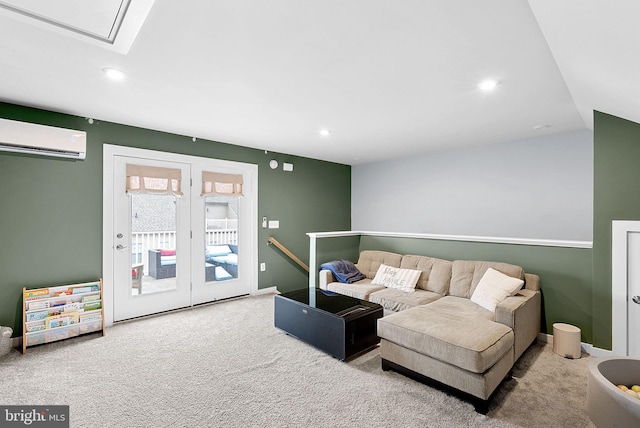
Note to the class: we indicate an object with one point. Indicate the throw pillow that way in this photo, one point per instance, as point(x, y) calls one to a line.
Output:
point(400, 279)
point(493, 288)
point(167, 252)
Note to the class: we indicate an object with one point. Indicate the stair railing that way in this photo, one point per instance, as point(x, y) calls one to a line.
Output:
point(285, 250)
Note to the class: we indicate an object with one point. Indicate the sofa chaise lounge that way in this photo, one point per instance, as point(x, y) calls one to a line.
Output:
point(437, 334)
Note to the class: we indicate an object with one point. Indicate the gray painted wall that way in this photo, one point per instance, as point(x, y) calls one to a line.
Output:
point(540, 188)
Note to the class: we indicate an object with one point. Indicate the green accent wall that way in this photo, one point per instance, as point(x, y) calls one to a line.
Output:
point(565, 273)
point(616, 197)
point(51, 216)
point(343, 247)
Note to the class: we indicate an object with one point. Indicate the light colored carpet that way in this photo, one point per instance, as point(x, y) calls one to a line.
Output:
point(226, 365)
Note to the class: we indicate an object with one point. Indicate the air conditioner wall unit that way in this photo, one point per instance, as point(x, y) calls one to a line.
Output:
point(24, 137)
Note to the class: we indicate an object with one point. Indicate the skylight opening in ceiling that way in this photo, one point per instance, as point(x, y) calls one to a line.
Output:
point(111, 23)
point(100, 19)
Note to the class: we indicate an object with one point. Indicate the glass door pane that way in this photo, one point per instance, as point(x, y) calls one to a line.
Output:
point(221, 238)
point(153, 243)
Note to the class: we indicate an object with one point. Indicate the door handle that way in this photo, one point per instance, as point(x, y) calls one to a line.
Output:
point(636, 299)
point(121, 247)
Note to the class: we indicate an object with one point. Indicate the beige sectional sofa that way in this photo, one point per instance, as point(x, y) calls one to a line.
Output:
point(436, 333)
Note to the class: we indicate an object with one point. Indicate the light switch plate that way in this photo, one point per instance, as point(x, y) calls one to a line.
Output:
point(274, 224)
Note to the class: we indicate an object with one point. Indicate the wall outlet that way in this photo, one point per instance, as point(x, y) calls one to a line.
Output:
point(264, 222)
point(263, 267)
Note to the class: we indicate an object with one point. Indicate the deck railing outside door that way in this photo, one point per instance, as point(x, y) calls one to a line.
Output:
point(142, 242)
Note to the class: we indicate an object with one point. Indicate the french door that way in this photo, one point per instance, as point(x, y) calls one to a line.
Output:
point(171, 250)
point(223, 229)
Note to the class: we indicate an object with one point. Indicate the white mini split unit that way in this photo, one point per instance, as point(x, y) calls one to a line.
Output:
point(24, 137)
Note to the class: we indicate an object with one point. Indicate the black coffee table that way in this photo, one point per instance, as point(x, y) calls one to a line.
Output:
point(341, 326)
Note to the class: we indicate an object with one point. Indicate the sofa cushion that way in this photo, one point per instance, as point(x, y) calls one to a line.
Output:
point(167, 260)
point(370, 261)
point(474, 346)
point(218, 250)
point(230, 259)
point(462, 307)
point(493, 288)
point(466, 274)
point(360, 290)
point(221, 274)
point(400, 279)
point(396, 300)
point(436, 273)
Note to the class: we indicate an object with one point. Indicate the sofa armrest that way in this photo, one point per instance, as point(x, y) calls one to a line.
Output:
point(531, 282)
point(325, 277)
point(154, 260)
point(522, 313)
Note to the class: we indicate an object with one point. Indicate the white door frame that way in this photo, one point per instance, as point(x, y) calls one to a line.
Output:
point(109, 151)
point(619, 283)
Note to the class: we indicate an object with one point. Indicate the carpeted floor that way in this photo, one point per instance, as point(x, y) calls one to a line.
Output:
point(225, 365)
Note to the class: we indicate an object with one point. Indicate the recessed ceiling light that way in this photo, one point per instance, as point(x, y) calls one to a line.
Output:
point(538, 127)
point(324, 132)
point(113, 73)
point(488, 85)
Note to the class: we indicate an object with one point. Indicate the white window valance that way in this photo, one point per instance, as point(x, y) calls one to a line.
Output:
point(153, 179)
point(219, 184)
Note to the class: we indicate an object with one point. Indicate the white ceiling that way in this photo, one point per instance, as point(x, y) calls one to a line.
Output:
point(389, 79)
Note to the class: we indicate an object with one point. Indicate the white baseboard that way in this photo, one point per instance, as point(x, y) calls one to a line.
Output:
point(545, 338)
point(586, 347)
point(261, 291)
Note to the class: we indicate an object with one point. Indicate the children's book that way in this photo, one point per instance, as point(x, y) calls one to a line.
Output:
point(38, 304)
point(62, 320)
point(87, 289)
point(43, 292)
point(35, 326)
point(74, 306)
point(34, 316)
point(66, 292)
point(90, 317)
point(90, 306)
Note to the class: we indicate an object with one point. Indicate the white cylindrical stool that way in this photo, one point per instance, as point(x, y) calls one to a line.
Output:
point(566, 340)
